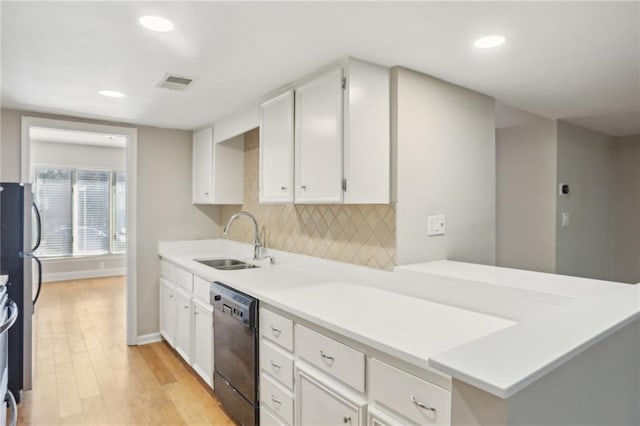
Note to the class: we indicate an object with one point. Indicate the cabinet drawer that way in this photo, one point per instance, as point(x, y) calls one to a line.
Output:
point(201, 290)
point(319, 404)
point(183, 279)
point(409, 396)
point(277, 363)
point(276, 328)
point(276, 398)
point(268, 419)
point(339, 360)
point(167, 270)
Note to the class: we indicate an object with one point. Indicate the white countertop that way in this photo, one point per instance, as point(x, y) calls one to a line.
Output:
point(472, 322)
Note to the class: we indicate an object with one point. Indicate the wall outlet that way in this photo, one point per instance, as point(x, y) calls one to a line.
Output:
point(436, 225)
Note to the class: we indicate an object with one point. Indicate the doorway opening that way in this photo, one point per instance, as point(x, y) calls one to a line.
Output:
point(83, 178)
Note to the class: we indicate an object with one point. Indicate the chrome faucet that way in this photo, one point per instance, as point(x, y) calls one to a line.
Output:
point(258, 249)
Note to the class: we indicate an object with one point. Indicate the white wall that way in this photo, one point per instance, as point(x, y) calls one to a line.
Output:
point(445, 141)
point(585, 248)
point(74, 155)
point(164, 212)
point(626, 193)
point(526, 193)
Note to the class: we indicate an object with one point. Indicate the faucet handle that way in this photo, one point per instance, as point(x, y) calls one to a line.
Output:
point(272, 260)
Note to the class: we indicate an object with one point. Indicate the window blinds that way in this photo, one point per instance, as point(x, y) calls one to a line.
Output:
point(83, 212)
point(53, 198)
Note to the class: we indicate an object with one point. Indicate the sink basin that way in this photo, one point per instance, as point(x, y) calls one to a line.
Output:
point(226, 264)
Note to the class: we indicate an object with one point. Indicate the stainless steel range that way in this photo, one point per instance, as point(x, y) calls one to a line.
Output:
point(236, 352)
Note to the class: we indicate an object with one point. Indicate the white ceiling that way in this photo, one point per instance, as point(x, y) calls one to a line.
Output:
point(577, 60)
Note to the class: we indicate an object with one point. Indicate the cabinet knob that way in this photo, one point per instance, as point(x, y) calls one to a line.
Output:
point(196, 313)
point(283, 188)
point(303, 187)
point(346, 419)
point(206, 193)
point(186, 307)
point(171, 296)
point(276, 400)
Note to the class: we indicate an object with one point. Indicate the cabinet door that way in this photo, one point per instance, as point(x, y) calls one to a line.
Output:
point(276, 149)
point(202, 166)
point(203, 343)
point(319, 404)
point(183, 326)
point(168, 305)
point(318, 139)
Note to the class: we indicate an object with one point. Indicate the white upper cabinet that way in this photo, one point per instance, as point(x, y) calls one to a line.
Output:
point(367, 134)
point(318, 137)
point(342, 138)
point(218, 169)
point(202, 166)
point(276, 149)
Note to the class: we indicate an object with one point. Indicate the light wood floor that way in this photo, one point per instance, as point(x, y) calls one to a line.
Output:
point(84, 372)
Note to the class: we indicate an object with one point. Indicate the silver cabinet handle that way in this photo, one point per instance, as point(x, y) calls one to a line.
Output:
point(327, 357)
point(276, 330)
point(13, 406)
point(346, 419)
point(276, 400)
point(421, 405)
point(274, 365)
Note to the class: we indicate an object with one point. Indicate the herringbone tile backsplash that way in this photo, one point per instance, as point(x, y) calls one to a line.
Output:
point(362, 234)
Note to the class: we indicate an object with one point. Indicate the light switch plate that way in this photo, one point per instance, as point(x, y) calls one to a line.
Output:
point(436, 225)
point(566, 219)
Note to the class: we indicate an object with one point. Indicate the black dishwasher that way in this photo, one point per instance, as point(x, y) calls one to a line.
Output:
point(235, 352)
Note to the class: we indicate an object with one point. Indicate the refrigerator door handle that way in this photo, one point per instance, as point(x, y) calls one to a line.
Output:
point(38, 226)
point(35, 299)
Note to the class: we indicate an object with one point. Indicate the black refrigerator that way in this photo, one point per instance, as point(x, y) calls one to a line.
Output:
point(19, 238)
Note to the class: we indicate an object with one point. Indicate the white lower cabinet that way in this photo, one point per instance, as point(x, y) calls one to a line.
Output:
point(321, 381)
point(377, 417)
point(319, 402)
point(407, 395)
point(269, 419)
point(182, 341)
point(202, 359)
point(168, 312)
point(276, 398)
point(186, 317)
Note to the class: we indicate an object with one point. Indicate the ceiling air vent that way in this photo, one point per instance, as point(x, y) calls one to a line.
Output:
point(175, 82)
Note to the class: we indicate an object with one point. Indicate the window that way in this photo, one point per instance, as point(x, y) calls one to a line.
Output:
point(83, 212)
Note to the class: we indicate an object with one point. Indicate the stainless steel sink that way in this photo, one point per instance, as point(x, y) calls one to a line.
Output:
point(226, 264)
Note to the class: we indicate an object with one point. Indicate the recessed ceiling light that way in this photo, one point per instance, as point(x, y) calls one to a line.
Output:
point(112, 94)
point(156, 23)
point(489, 42)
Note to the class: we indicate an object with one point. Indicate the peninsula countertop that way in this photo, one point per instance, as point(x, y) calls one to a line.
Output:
point(471, 322)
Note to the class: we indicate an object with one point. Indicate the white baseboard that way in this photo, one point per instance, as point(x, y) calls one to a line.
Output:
point(145, 339)
point(79, 275)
